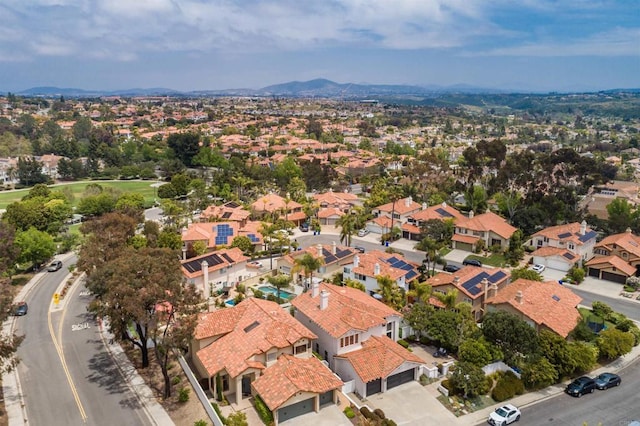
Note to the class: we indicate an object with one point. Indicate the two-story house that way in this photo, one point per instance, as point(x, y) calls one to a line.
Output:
point(357, 336)
point(366, 268)
point(279, 207)
point(333, 256)
point(333, 205)
point(220, 234)
point(488, 227)
point(543, 305)
point(392, 215)
point(599, 197)
point(232, 347)
point(561, 247)
point(228, 212)
point(473, 284)
point(215, 271)
point(617, 257)
point(444, 212)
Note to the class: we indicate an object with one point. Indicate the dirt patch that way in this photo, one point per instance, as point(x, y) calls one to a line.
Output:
point(182, 413)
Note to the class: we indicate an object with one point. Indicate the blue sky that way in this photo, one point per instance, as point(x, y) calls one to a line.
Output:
point(541, 45)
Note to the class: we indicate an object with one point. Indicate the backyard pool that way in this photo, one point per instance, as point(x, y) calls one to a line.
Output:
point(230, 302)
point(266, 289)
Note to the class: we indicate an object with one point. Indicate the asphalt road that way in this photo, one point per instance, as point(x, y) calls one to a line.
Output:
point(616, 406)
point(618, 304)
point(66, 374)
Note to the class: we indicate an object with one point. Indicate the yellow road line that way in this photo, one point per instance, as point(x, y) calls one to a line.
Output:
point(64, 364)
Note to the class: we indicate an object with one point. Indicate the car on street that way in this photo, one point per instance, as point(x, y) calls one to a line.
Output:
point(538, 268)
point(607, 380)
point(54, 266)
point(304, 227)
point(255, 264)
point(451, 268)
point(363, 232)
point(20, 309)
point(504, 415)
point(360, 249)
point(472, 262)
point(580, 386)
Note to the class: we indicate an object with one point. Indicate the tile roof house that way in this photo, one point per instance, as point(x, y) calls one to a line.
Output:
point(488, 227)
point(366, 267)
point(295, 386)
point(228, 212)
point(284, 208)
point(334, 258)
point(394, 214)
point(562, 246)
point(474, 285)
point(543, 305)
point(240, 342)
point(444, 212)
point(220, 234)
point(345, 319)
point(215, 271)
point(599, 197)
point(333, 205)
point(617, 257)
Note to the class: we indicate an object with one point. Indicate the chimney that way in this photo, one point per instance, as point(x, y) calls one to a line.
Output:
point(583, 227)
point(408, 201)
point(493, 290)
point(356, 261)
point(485, 286)
point(315, 289)
point(319, 249)
point(519, 297)
point(334, 249)
point(470, 214)
point(424, 206)
point(444, 205)
point(456, 279)
point(376, 269)
point(628, 231)
point(324, 300)
point(205, 279)
point(184, 252)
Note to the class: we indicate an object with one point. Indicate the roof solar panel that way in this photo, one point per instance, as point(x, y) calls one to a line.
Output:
point(343, 253)
point(564, 235)
point(232, 205)
point(392, 260)
point(497, 276)
point(226, 215)
point(556, 298)
point(226, 257)
point(472, 285)
point(411, 274)
point(587, 236)
point(569, 255)
point(443, 212)
point(196, 265)
point(253, 238)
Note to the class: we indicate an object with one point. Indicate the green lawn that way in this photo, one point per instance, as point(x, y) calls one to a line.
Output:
point(77, 188)
point(496, 260)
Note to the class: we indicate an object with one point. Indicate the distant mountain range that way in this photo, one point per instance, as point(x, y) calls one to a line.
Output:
point(318, 88)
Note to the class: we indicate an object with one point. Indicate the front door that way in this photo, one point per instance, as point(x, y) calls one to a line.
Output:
point(246, 385)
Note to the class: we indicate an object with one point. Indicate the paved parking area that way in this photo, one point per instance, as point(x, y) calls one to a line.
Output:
point(331, 415)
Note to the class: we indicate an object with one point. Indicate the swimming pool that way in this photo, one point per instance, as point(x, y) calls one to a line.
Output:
point(267, 289)
point(230, 302)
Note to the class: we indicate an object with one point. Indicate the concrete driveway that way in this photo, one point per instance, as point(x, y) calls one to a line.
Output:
point(330, 415)
point(412, 404)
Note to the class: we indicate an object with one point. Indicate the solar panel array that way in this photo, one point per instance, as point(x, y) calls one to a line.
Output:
point(442, 212)
point(196, 265)
point(394, 262)
point(224, 232)
point(569, 255)
point(232, 205)
point(587, 236)
point(472, 285)
point(564, 235)
point(253, 238)
point(226, 215)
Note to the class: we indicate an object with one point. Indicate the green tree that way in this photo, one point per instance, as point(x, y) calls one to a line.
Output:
point(348, 226)
point(237, 419)
point(539, 373)
point(8, 342)
point(475, 352)
point(169, 238)
point(9, 251)
point(391, 294)
point(421, 292)
point(143, 296)
point(614, 343)
point(285, 171)
point(512, 335)
point(184, 146)
point(620, 215)
point(418, 317)
point(30, 172)
point(469, 379)
point(131, 204)
point(307, 263)
point(36, 247)
point(515, 251)
point(525, 273)
point(97, 205)
point(279, 281)
point(243, 243)
point(583, 355)
point(448, 299)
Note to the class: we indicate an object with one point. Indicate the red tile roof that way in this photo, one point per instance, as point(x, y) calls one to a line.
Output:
point(487, 222)
point(625, 241)
point(566, 232)
point(467, 274)
point(378, 358)
point(604, 262)
point(235, 254)
point(547, 304)
point(291, 375)
point(367, 264)
point(252, 327)
point(348, 309)
point(435, 212)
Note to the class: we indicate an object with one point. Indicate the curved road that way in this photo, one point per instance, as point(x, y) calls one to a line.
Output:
point(66, 374)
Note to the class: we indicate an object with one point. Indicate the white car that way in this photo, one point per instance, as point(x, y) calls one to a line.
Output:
point(538, 268)
point(363, 232)
point(504, 415)
point(254, 264)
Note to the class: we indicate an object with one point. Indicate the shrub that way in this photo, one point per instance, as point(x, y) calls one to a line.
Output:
point(263, 411)
point(403, 343)
point(447, 385)
point(508, 386)
point(348, 411)
point(237, 419)
point(200, 423)
point(378, 412)
point(367, 413)
point(175, 380)
point(183, 395)
point(216, 408)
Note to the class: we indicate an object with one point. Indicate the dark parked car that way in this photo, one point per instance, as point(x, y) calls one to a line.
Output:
point(360, 249)
point(54, 266)
point(472, 262)
point(607, 380)
point(580, 386)
point(20, 309)
point(304, 227)
point(451, 268)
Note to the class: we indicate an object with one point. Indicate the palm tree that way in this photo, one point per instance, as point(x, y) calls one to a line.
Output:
point(421, 292)
point(308, 264)
point(279, 281)
point(347, 224)
point(390, 292)
point(268, 233)
point(448, 299)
